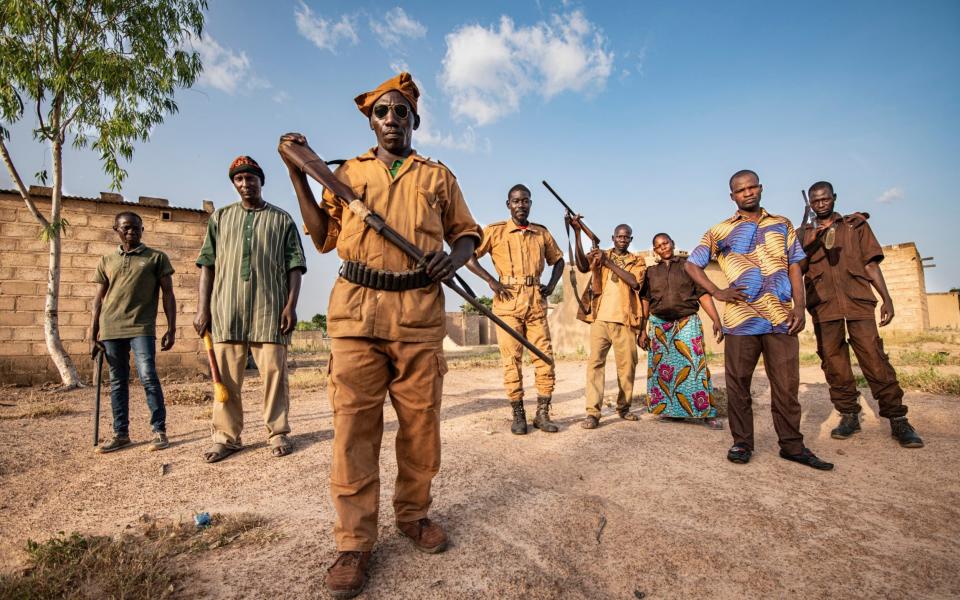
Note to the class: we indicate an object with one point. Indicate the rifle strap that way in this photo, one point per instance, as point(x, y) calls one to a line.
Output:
point(573, 273)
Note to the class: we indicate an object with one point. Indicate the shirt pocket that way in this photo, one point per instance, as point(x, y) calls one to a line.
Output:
point(351, 227)
point(429, 224)
point(859, 287)
point(346, 301)
point(421, 307)
point(814, 296)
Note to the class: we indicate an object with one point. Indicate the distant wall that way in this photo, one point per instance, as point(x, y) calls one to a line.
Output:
point(903, 272)
point(23, 279)
point(944, 309)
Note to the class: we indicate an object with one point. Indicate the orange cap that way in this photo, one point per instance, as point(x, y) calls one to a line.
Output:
point(402, 83)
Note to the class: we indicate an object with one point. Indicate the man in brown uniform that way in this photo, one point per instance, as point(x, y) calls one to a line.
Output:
point(519, 250)
point(386, 340)
point(615, 318)
point(843, 261)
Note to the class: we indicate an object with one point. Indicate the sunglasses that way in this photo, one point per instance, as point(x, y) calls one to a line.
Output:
point(381, 110)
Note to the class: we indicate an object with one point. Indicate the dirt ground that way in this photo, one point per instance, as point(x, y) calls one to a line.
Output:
point(524, 512)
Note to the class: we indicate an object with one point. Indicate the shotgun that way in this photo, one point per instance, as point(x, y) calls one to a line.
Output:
point(307, 161)
point(586, 230)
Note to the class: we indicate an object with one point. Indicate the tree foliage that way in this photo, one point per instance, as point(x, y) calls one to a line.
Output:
point(104, 71)
point(469, 308)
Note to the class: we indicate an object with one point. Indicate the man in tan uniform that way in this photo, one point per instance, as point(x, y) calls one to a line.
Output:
point(386, 318)
point(519, 250)
point(615, 317)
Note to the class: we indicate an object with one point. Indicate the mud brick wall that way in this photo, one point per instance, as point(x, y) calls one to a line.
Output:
point(944, 310)
point(23, 280)
point(903, 272)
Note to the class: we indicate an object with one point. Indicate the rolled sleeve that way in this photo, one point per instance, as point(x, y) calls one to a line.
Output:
point(334, 210)
point(486, 243)
point(795, 251)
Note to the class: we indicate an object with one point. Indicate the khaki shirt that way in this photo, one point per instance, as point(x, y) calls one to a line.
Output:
point(629, 300)
point(837, 283)
point(129, 308)
point(519, 256)
point(423, 203)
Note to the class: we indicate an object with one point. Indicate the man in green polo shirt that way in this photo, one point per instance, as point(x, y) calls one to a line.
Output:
point(124, 317)
point(250, 269)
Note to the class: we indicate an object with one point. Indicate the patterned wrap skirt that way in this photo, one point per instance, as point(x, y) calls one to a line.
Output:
point(678, 378)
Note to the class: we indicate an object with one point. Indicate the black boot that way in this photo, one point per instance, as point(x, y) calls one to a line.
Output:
point(901, 429)
point(542, 420)
point(519, 426)
point(849, 425)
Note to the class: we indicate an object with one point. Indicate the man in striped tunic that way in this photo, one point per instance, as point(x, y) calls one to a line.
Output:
point(760, 256)
point(250, 264)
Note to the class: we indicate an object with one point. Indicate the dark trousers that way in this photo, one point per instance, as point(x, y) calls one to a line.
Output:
point(781, 361)
point(877, 370)
point(144, 357)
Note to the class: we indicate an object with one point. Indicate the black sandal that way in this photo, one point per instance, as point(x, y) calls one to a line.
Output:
point(739, 455)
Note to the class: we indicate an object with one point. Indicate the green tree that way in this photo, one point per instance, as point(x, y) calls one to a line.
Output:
point(101, 73)
point(320, 322)
point(468, 309)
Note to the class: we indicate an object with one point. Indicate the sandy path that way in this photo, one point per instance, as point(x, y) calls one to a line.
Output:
point(522, 512)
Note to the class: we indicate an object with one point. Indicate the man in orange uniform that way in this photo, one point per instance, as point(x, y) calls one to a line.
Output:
point(519, 250)
point(386, 318)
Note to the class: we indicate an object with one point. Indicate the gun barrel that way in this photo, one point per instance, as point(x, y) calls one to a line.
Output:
point(557, 196)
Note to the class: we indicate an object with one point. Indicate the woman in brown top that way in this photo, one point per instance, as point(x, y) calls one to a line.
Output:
point(678, 378)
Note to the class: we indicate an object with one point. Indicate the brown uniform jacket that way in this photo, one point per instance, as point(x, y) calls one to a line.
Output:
point(629, 299)
point(837, 283)
point(424, 204)
point(519, 256)
point(670, 291)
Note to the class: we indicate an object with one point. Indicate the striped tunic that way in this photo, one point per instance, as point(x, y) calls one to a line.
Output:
point(755, 256)
point(251, 252)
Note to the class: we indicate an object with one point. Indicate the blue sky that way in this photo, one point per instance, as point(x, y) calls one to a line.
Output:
point(635, 112)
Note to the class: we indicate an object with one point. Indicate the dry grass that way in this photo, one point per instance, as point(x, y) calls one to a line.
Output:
point(485, 359)
point(39, 410)
point(920, 358)
point(132, 566)
point(928, 380)
point(204, 414)
point(308, 379)
point(196, 394)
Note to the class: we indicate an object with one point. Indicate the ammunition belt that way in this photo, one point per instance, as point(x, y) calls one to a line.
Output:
point(378, 279)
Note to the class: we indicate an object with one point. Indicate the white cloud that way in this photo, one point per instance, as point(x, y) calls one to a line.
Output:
point(225, 69)
point(488, 71)
point(280, 97)
point(892, 195)
point(325, 34)
point(395, 25)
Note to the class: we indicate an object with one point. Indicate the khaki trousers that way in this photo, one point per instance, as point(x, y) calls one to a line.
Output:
point(781, 361)
point(877, 370)
point(537, 333)
point(603, 336)
point(271, 360)
point(362, 371)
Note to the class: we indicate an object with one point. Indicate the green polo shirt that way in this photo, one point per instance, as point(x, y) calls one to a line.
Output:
point(251, 251)
point(130, 307)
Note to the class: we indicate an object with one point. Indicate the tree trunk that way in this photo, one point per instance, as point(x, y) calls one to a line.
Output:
point(51, 320)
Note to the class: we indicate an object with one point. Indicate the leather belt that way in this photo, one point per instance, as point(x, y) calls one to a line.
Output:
point(378, 279)
point(529, 280)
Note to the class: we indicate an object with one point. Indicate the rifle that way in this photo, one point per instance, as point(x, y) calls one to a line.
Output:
point(595, 282)
point(307, 161)
point(807, 211)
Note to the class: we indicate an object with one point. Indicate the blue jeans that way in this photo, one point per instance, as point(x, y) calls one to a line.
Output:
point(144, 354)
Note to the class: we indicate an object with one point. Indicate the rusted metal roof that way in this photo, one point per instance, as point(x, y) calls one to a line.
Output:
point(106, 198)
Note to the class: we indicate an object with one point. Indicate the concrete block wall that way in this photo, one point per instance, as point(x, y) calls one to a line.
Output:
point(944, 310)
point(24, 260)
point(903, 272)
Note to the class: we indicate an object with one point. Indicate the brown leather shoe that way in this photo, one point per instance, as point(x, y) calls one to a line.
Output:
point(427, 536)
point(348, 574)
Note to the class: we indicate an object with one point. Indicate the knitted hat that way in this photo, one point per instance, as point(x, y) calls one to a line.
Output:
point(245, 164)
point(402, 83)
